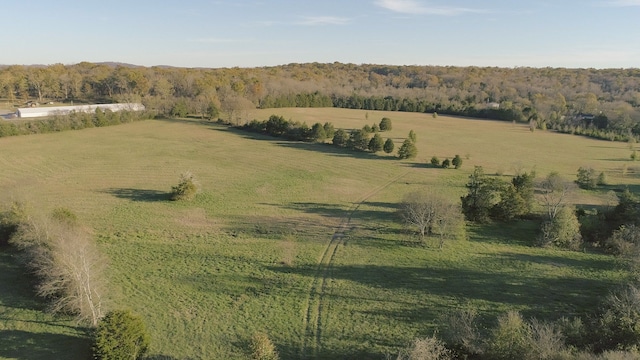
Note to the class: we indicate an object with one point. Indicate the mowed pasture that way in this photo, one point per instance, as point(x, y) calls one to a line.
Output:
point(296, 240)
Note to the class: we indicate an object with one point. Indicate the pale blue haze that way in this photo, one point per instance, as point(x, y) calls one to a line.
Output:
point(250, 33)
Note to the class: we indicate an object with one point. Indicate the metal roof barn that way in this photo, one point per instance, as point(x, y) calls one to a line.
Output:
point(63, 110)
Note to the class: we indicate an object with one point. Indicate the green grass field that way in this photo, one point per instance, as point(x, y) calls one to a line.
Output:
point(296, 240)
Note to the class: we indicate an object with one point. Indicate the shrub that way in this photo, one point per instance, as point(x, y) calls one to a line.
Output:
point(435, 161)
point(446, 164)
point(462, 333)
point(429, 348)
point(623, 240)
point(562, 231)
point(120, 335)
point(619, 323)
point(262, 348)
point(10, 220)
point(510, 339)
point(186, 189)
point(385, 124)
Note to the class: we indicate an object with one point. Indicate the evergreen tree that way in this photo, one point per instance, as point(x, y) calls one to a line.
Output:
point(376, 143)
point(388, 146)
point(329, 130)
point(457, 162)
point(340, 138)
point(317, 132)
point(358, 140)
point(407, 150)
point(385, 124)
point(413, 136)
point(120, 335)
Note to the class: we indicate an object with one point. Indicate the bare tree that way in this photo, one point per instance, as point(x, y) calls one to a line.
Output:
point(68, 264)
point(554, 193)
point(430, 214)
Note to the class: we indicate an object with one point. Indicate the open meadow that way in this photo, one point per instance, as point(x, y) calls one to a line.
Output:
point(300, 241)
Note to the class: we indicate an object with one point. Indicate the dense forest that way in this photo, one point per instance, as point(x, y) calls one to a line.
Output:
point(600, 103)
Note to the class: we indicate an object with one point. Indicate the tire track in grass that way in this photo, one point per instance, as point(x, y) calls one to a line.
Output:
point(312, 321)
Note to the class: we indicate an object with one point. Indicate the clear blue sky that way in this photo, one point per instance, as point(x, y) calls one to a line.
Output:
point(249, 33)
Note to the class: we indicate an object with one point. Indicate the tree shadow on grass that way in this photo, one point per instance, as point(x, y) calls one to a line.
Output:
point(520, 232)
point(544, 296)
point(17, 344)
point(17, 293)
point(366, 212)
point(141, 195)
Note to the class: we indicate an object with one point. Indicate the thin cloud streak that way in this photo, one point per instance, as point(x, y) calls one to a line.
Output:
point(415, 7)
point(323, 20)
point(622, 3)
point(218, 41)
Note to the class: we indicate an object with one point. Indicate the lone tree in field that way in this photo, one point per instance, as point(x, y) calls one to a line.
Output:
point(481, 196)
point(388, 146)
point(385, 124)
point(456, 162)
point(186, 189)
point(120, 335)
point(431, 214)
point(407, 150)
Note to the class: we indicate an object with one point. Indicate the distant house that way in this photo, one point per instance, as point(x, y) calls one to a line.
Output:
point(585, 117)
point(493, 105)
point(32, 112)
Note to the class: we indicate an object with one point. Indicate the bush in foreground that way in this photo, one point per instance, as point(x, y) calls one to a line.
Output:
point(120, 335)
point(262, 348)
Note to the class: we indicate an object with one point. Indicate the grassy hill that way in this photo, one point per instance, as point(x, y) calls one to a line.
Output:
point(293, 239)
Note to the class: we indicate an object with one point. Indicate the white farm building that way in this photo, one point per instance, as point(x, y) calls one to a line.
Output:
point(32, 112)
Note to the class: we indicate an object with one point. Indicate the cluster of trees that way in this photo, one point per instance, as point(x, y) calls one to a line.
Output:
point(548, 98)
point(72, 121)
point(491, 198)
point(610, 333)
point(456, 162)
point(358, 139)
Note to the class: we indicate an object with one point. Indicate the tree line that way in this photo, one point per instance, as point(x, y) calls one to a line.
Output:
point(600, 103)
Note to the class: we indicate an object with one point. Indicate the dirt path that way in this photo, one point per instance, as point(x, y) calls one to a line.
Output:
point(312, 321)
